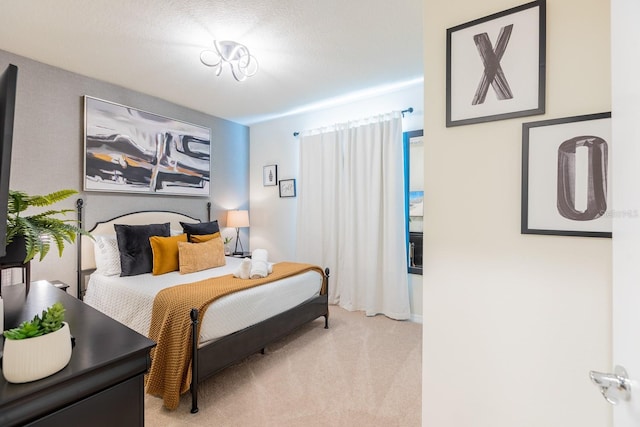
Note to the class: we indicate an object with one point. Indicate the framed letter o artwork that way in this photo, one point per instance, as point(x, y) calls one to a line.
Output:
point(566, 183)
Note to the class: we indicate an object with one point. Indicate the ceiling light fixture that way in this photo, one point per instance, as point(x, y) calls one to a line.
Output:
point(241, 62)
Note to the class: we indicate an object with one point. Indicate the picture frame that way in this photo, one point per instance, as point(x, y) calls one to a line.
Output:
point(135, 151)
point(566, 187)
point(270, 175)
point(495, 66)
point(287, 188)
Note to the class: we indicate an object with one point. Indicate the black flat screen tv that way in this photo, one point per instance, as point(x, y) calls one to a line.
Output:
point(8, 83)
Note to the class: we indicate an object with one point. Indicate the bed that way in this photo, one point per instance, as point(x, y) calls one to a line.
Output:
point(232, 328)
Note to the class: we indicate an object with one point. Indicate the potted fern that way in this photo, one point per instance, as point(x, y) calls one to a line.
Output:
point(47, 334)
point(31, 235)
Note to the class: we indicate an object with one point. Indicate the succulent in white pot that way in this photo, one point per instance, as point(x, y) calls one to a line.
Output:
point(25, 345)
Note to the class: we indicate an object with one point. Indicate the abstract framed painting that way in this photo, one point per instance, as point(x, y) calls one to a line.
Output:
point(566, 186)
point(496, 66)
point(134, 151)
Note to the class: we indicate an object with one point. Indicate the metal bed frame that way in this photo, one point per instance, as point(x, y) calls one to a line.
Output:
point(214, 357)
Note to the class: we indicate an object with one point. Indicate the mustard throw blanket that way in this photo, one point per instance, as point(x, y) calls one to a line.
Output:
point(170, 373)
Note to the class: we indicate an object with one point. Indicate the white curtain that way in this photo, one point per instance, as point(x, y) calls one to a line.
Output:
point(351, 213)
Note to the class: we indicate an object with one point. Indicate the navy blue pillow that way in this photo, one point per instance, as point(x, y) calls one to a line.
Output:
point(136, 256)
point(200, 228)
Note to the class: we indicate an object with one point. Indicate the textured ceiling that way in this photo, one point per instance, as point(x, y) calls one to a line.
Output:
point(308, 50)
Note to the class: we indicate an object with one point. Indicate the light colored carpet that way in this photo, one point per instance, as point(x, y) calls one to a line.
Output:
point(362, 370)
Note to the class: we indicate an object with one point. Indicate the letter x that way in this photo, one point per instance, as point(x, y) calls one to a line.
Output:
point(493, 73)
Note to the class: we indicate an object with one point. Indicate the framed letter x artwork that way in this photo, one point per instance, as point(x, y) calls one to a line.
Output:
point(496, 66)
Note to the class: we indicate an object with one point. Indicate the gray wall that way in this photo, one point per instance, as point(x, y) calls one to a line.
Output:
point(48, 148)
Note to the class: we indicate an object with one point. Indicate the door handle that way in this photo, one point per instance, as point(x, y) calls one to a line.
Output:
point(614, 387)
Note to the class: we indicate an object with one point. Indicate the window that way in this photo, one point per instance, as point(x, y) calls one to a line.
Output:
point(414, 189)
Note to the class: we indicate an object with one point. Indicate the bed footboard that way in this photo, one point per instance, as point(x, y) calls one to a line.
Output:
point(194, 360)
point(212, 358)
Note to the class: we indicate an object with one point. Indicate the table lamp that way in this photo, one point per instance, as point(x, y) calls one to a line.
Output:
point(237, 219)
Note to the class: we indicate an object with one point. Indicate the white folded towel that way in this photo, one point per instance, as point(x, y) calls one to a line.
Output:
point(244, 270)
point(259, 269)
point(259, 265)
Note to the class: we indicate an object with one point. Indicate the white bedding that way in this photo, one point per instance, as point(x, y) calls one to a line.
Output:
point(129, 300)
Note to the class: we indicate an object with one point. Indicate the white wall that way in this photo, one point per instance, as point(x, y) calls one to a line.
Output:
point(273, 220)
point(512, 323)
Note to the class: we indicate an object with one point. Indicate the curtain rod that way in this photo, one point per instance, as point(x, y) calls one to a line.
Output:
point(408, 110)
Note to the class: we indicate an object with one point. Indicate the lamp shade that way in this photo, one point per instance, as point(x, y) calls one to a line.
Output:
point(238, 218)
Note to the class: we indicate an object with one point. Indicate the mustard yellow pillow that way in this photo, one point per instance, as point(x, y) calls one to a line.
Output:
point(165, 253)
point(201, 238)
point(200, 256)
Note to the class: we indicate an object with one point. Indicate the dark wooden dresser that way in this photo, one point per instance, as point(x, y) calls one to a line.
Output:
point(103, 384)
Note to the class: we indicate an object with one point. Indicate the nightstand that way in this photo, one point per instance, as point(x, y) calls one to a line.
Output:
point(59, 284)
point(242, 255)
point(26, 272)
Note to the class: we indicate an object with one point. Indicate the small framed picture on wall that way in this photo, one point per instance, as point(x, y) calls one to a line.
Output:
point(270, 175)
point(287, 188)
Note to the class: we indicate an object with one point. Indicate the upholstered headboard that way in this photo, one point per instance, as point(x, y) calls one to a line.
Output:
point(86, 259)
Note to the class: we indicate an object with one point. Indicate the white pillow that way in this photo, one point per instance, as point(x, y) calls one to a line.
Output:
point(107, 255)
point(173, 232)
